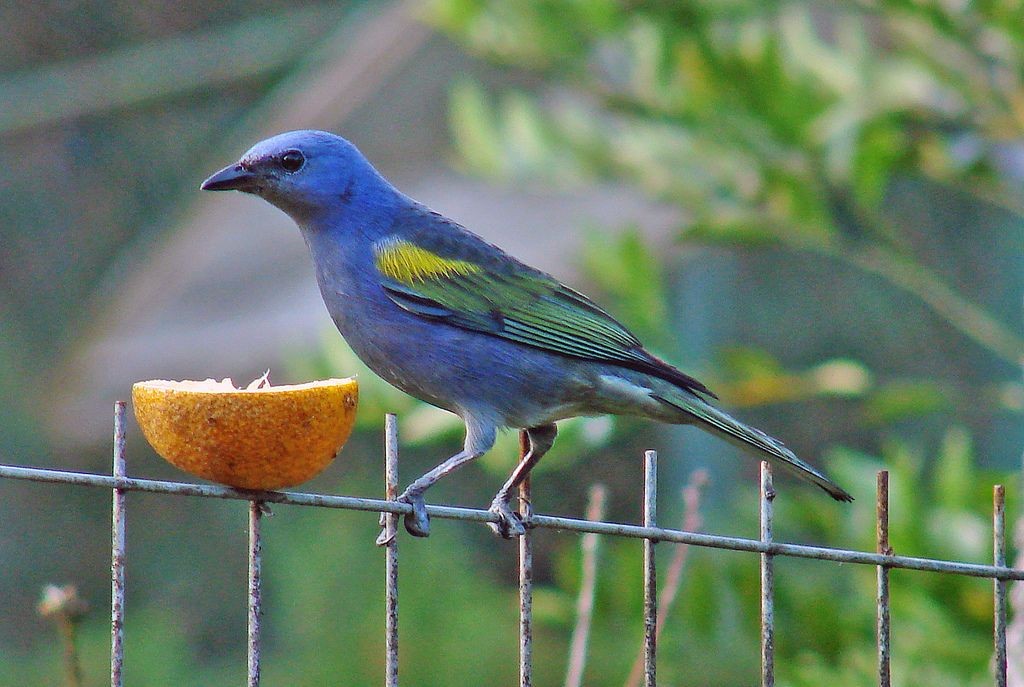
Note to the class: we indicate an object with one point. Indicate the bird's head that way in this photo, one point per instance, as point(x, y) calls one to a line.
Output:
point(303, 173)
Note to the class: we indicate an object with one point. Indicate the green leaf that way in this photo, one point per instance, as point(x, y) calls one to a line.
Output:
point(954, 469)
point(744, 362)
point(474, 129)
point(881, 146)
point(903, 400)
point(625, 267)
point(735, 233)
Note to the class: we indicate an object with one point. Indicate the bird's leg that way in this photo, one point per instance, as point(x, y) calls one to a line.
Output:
point(509, 524)
point(479, 439)
point(417, 523)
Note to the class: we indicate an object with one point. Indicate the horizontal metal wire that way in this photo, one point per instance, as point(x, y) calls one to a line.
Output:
point(542, 521)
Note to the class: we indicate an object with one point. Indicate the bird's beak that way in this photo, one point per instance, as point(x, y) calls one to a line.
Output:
point(232, 178)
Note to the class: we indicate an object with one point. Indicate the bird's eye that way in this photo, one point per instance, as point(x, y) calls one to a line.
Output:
point(292, 161)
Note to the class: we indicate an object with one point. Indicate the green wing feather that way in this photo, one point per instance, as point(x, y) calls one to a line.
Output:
point(493, 294)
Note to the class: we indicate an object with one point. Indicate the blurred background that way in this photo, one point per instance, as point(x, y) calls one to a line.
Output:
point(814, 208)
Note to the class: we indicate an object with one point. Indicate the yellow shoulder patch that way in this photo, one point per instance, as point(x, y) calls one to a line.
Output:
point(406, 263)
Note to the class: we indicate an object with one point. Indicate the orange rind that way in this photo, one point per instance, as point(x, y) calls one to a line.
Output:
point(262, 437)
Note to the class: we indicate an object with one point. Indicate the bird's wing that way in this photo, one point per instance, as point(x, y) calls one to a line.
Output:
point(475, 286)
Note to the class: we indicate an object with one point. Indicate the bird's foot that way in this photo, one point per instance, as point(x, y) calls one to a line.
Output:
point(417, 522)
point(509, 523)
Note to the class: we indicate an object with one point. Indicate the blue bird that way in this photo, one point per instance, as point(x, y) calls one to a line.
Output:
point(455, 321)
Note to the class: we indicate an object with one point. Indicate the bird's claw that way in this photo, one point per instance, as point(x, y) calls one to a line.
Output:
point(509, 524)
point(417, 522)
point(385, 537)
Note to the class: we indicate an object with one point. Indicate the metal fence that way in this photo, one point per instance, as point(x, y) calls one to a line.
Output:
point(883, 558)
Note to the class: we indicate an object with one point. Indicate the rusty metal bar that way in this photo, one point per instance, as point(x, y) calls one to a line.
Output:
point(536, 521)
point(589, 544)
point(255, 591)
point(525, 575)
point(999, 586)
point(117, 552)
point(391, 551)
point(650, 570)
point(671, 582)
point(882, 536)
point(767, 581)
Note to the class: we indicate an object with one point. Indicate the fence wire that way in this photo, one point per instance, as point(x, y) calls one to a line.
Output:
point(883, 558)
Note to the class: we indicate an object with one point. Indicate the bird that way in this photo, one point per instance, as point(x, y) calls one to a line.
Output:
point(448, 318)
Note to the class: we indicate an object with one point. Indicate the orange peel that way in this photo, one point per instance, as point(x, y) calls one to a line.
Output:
point(262, 437)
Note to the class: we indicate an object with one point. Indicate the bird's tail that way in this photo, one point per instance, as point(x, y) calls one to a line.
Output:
point(752, 440)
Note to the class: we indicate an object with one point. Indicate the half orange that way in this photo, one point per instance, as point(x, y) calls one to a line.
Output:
point(262, 437)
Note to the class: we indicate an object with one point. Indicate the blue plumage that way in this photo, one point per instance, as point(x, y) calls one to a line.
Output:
point(453, 320)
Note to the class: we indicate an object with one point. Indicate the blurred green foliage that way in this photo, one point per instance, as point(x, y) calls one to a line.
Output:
point(768, 122)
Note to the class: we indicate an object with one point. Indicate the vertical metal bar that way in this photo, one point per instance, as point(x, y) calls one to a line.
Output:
point(670, 583)
point(117, 552)
point(650, 570)
point(999, 586)
point(767, 581)
point(255, 590)
point(588, 586)
point(525, 577)
point(391, 552)
point(882, 535)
